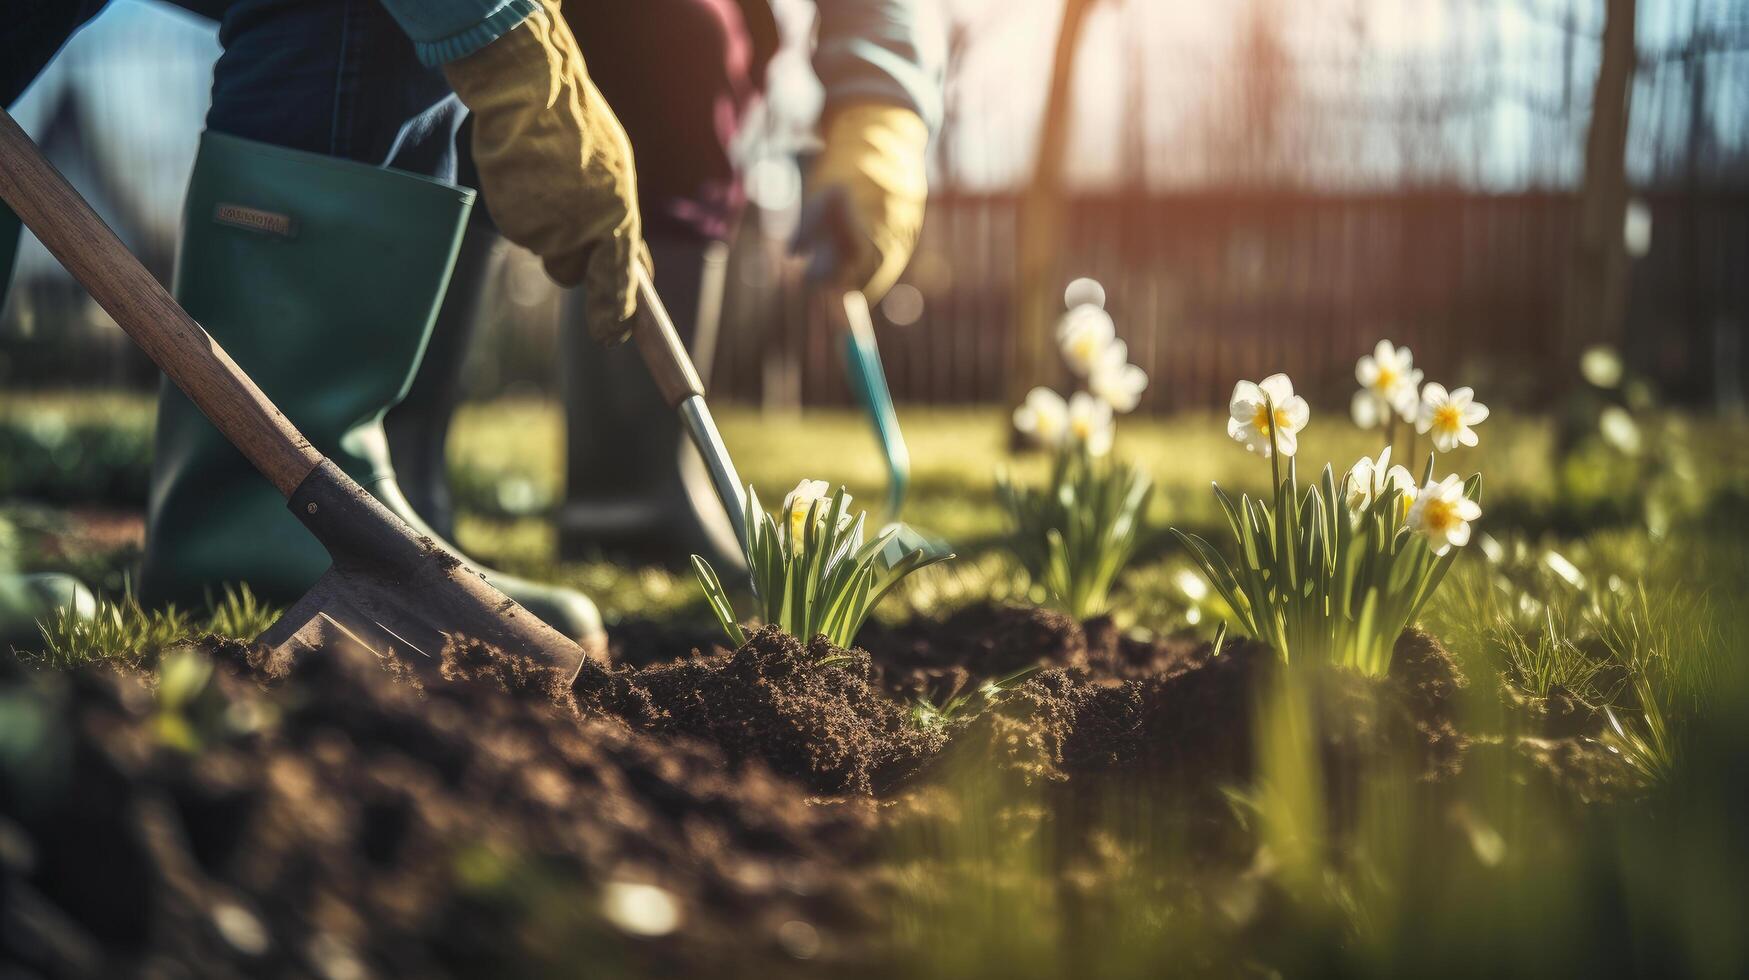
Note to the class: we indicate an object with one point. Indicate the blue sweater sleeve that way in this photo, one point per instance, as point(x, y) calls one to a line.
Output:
point(881, 51)
point(444, 30)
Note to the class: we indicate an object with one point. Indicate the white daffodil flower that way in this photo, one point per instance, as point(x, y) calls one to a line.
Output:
point(1371, 478)
point(1043, 418)
point(1090, 423)
point(1115, 379)
point(1249, 424)
point(1084, 333)
point(1443, 514)
point(1083, 292)
point(1449, 416)
point(1368, 410)
point(800, 500)
point(1601, 366)
point(1620, 430)
point(1389, 375)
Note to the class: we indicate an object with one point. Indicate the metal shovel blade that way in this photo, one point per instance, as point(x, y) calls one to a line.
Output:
point(394, 591)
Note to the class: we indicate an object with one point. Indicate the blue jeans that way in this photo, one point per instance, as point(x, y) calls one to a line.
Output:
point(336, 77)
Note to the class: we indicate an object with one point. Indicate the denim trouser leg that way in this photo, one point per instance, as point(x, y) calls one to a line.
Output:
point(31, 33)
point(336, 77)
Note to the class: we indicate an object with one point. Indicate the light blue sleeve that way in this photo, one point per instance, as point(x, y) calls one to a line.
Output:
point(444, 30)
point(881, 51)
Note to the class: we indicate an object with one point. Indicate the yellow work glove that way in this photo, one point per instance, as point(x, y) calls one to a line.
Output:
point(555, 164)
point(865, 197)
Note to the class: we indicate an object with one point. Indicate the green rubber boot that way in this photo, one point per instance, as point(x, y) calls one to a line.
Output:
point(321, 278)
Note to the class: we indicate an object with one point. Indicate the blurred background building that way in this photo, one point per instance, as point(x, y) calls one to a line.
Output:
point(1497, 183)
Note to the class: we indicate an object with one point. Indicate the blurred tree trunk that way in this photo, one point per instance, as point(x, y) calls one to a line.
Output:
point(1595, 304)
point(1042, 209)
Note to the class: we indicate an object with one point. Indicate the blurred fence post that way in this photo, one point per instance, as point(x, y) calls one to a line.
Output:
point(1041, 214)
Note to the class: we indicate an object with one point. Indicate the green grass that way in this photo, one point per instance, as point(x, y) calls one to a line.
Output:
point(507, 456)
point(124, 630)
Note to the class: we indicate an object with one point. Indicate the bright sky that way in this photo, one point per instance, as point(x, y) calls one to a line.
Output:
point(1507, 57)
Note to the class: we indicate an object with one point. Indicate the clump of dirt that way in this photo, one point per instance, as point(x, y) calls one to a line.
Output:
point(1423, 689)
point(1560, 736)
point(1025, 731)
point(1559, 714)
point(807, 712)
point(1580, 767)
point(326, 817)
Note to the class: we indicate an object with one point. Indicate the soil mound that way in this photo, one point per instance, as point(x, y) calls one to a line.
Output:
point(808, 712)
point(1191, 726)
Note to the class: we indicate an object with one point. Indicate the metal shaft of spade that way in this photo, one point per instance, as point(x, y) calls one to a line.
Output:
point(678, 381)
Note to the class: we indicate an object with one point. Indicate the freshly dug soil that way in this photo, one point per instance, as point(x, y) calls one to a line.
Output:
point(1170, 708)
point(1190, 728)
point(940, 658)
point(333, 818)
point(690, 808)
point(773, 701)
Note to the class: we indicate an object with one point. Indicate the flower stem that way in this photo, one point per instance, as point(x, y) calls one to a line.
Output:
point(1274, 449)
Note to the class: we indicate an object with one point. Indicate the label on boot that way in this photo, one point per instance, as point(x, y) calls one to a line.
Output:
point(255, 219)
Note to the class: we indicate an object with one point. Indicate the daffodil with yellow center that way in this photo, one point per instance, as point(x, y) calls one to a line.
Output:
point(1251, 406)
point(1443, 514)
point(1083, 334)
point(1388, 377)
point(1043, 418)
point(1260, 420)
point(801, 500)
point(1448, 416)
point(1090, 423)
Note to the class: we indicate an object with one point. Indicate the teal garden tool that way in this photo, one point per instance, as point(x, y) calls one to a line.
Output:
point(868, 380)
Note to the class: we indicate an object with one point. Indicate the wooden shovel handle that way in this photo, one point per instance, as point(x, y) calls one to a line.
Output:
point(657, 341)
point(79, 239)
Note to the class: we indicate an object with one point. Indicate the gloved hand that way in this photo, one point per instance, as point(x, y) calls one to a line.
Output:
point(555, 164)
point(865, 197)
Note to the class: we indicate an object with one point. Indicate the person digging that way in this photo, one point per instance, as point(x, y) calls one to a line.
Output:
point(681, 76)
point(321, 226)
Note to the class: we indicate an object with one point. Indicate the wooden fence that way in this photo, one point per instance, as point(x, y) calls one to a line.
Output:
point(1207, 288)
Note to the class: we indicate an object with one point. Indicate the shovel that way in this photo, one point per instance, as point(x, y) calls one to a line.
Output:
point(868, 380)
point(830, 230)
point(389, 588)
point(677, 379)
point(848, 312)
